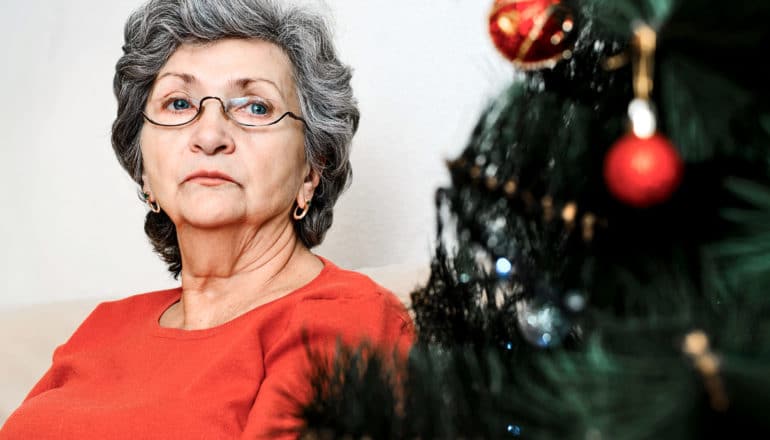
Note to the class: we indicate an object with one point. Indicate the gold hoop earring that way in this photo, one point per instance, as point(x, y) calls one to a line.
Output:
point(302, 213)
point(154, 206)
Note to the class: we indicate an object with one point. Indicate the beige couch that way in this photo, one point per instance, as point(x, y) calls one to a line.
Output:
point(29, 334)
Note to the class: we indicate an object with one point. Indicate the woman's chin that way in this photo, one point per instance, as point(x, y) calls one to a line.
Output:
point(210, 218)
point(210, 223)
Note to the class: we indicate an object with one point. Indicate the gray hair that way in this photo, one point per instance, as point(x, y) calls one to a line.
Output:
point(155, 30)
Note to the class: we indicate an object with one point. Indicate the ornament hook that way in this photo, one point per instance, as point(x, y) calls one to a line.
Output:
point(645, 40)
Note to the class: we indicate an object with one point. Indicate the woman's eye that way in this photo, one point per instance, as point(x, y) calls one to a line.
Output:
point(257, 108)
point(179, 104)
point(251, 106)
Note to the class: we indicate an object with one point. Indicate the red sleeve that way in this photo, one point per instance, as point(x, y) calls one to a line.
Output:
point(53, 378)
point(46, 382)
point(378, 319)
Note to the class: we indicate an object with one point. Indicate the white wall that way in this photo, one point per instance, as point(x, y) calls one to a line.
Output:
point(71, 223)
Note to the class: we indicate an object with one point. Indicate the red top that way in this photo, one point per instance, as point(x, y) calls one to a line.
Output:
point(123, 376)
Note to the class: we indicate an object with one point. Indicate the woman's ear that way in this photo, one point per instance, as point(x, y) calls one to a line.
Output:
point(145, 186)
point(308, 188)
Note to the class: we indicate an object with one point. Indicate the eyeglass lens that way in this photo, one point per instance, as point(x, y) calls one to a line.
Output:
point(248, 110)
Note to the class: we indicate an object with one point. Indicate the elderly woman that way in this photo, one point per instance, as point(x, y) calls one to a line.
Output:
point(235, 117)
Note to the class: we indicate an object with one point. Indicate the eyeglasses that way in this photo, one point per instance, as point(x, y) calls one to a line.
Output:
point(248, 111)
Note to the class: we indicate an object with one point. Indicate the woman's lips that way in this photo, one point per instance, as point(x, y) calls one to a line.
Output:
point(209, 178)
point(209, 181)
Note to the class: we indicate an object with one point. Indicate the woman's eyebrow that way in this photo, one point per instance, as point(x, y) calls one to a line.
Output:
point(242, 83)
point(186, 77)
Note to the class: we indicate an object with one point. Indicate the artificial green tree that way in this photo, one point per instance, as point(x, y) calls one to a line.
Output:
point(557, 307)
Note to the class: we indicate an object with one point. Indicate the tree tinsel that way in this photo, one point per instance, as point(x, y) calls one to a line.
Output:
point(554, 310)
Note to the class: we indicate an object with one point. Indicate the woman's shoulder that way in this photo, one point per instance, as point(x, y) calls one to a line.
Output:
point(124, 310)
point(115, 318)
point(344, 285)
point(346, 298)
point(140, 302)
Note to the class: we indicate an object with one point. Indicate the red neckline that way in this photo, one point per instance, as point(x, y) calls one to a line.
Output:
point(177, 333)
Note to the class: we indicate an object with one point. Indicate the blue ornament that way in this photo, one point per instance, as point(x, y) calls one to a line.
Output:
point(575, 301)
point(541, 323)
point(515, 430)
point(503, 267)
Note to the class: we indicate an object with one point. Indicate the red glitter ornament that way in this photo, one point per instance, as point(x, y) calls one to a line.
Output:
point(643, 172)
point(532, 33)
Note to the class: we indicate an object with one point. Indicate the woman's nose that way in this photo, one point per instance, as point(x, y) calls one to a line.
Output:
point(212, 133)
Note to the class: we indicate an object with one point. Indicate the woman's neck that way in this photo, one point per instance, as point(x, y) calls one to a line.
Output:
point(227, 272)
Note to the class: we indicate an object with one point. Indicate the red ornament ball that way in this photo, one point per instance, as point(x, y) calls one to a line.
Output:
point(532, 33)
point(643, 172)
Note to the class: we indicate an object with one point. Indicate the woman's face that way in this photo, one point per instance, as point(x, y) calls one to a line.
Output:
point(262, 170)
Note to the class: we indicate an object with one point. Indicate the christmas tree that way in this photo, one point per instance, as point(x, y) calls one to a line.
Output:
point(602, 267)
